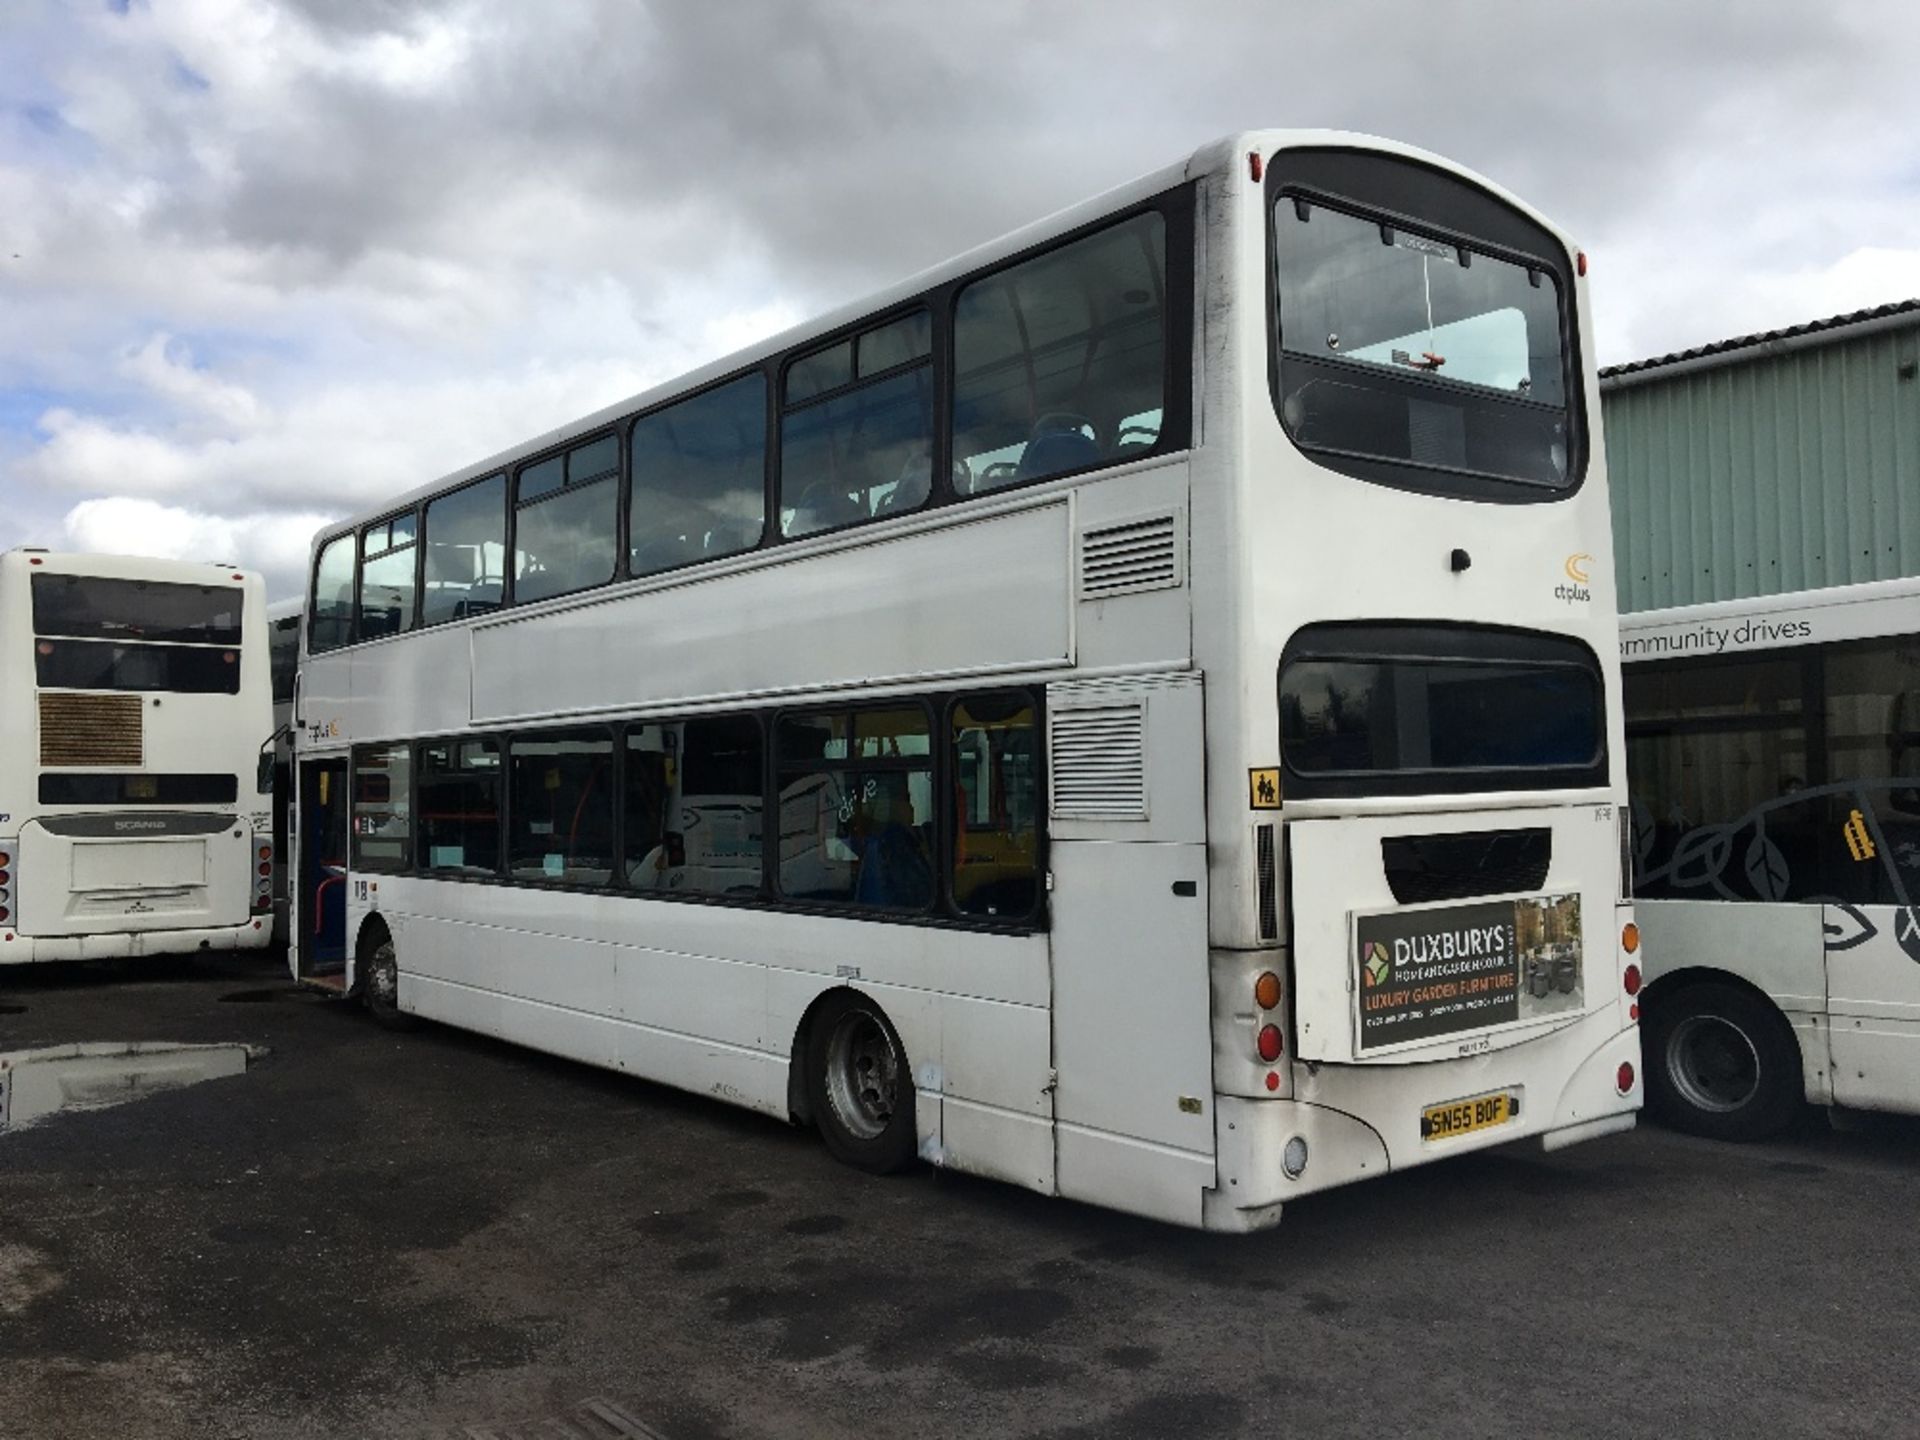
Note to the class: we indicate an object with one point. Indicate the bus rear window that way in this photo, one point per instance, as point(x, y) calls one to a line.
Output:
point(1411, 709)
point(89, 607)
point(101, 665)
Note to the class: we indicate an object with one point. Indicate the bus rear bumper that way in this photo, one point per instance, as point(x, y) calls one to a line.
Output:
point(1258, 1144)
point(1272, 1151)
point(17, 949)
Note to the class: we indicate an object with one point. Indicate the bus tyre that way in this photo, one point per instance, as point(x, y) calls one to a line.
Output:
point(860, 1085)
point(380, 988)
point(1722, 1063)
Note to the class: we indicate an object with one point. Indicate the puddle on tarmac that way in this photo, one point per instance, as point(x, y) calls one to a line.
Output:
point(35, 1084)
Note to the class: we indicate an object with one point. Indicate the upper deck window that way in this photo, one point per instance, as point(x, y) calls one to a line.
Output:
point(330, 618)
point(565, 537)
point(856, 435)
point(1433, 353)
point(466, 546)
point(698, 477)
point(387, 558)
point(1060, 361)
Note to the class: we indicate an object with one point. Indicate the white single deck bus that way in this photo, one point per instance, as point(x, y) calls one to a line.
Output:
point(135, 817)
point(1132, 711)
point(1774, 750)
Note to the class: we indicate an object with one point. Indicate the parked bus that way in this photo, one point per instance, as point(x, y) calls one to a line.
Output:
point(283, 661)
point(135, 815)
point(1774, 756)
point(1132, 711)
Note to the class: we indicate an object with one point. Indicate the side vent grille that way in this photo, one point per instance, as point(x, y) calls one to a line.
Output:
point(1137, 555)
point(1097, 760)
point(90, 730)
point(1263, 874)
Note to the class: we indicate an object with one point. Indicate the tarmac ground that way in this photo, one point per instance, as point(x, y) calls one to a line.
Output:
point(436, 1235)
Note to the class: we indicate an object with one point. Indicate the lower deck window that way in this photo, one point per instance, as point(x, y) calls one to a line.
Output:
point(856, 808)
point(459, 807)
point(694, 807)
point(1406, 709)
point(381, 829)
point(562, 808)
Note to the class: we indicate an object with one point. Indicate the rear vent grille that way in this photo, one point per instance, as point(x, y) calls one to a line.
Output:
point(90, 730)
point(1452, 867)
point(1138, 555)
point(1098, 762)
point(1263, 871)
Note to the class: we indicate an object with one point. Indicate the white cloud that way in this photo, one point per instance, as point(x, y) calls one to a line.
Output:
point(282, 258)
point(275, 544)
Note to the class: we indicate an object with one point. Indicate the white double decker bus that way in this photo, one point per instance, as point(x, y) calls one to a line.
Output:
point(1774, 746)
point(135, 813)
point(1131, 711)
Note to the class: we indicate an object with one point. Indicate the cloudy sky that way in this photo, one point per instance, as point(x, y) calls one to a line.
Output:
point(266, 261)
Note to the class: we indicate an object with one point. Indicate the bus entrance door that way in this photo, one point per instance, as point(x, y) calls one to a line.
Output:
point(320, 887)
point(1132, 1037)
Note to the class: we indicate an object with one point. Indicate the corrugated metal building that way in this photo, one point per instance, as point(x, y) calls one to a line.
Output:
point(1783, 461)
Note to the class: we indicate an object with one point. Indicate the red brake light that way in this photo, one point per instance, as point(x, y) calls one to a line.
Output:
point(1580, 263)
point(1268, 1043)
point(1253, 165)
point(266, 867)
point(1632, 979)
point(1624, 1079)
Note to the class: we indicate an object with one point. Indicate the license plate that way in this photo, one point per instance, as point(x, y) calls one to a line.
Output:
point(1463, 1117)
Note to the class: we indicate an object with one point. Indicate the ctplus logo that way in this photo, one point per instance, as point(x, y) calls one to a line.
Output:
point(1577, 593)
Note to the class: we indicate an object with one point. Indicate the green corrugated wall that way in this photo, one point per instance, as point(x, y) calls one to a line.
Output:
point(1792, 471)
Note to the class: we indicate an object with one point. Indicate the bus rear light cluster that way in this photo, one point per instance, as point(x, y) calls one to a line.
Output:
point(6, 886)
point(263, 886)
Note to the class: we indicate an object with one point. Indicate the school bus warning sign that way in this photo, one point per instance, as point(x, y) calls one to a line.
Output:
point(1423, 974)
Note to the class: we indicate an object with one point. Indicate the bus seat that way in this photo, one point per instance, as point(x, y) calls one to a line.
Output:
point(482, 599)
point(1052, 451)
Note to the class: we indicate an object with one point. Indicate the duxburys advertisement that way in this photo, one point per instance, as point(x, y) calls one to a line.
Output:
point(1424, 974)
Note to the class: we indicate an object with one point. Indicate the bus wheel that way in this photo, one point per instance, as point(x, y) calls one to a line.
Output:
point(860, 1085)
point(380, 988)
point(1721, 1063)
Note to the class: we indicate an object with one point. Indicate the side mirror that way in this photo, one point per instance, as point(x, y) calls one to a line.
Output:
point(263, 774)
